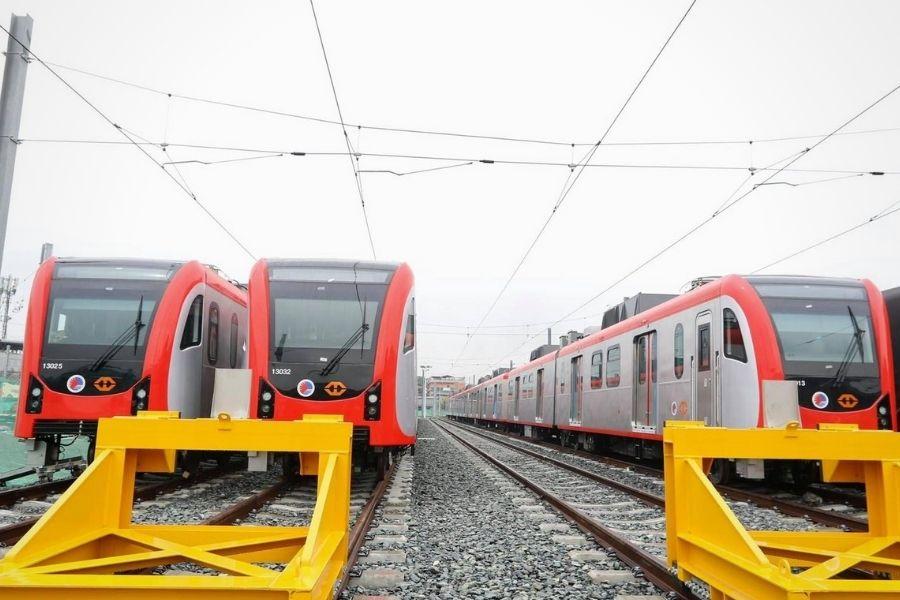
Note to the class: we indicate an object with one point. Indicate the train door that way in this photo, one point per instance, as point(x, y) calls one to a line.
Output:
point(494, 401)
point(704, 372)
point(577, 388)
point(539, 397)
point(516, 399)
point(645, 382)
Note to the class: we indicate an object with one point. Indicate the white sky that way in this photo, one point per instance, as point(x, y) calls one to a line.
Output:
point(552, 70)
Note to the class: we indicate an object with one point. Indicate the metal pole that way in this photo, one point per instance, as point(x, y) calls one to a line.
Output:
point(11, 97)
point(425, 391)
point(8, 287)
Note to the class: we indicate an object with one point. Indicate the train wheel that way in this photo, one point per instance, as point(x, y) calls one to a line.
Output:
point(722, 471)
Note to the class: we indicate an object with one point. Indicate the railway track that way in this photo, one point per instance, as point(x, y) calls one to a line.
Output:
point(13, 532)
point(791, 508)
point(590, 503)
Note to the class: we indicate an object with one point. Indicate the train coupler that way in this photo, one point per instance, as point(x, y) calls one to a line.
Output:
point(706, 541)
point(86, 546)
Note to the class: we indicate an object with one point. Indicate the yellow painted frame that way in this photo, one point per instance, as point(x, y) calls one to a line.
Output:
point(705, 540)
point(85, 546)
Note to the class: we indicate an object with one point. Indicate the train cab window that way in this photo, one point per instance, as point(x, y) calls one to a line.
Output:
point(597, 370)
point(734, 339)
point(409, 340)
point(193, 325)
point(679, 351)
point(613, 366)
point(212, 343)
point(233, 342)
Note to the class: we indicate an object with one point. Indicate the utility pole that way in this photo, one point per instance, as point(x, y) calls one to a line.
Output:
point(8, 287)
point(425, 391)
point(11, 97)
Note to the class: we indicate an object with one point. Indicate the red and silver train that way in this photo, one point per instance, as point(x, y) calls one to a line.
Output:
point(336, 337)
point(706, 355)
point(110, 337)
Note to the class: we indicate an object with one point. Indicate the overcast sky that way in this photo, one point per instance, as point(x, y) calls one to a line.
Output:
point(551, 71)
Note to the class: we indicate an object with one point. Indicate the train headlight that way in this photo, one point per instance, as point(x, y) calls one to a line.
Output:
point(36, 402)
point(265, 405)
point(882, 410)
point(372, 410)
point(140, 396)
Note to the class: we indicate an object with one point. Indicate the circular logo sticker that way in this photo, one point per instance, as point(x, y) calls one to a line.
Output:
point(306, 388)
point(75, 383)
point(674, 408)
point(820, 400)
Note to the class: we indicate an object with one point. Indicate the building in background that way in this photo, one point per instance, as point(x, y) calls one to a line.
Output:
point(438, 389)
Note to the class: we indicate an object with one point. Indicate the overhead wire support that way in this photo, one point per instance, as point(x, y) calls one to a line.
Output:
point(351, 154)
point(731, 201)
point(124, 133)
point(575, 175)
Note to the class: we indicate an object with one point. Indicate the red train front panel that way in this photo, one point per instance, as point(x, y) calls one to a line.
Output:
point(112, 337)
point(335, 337)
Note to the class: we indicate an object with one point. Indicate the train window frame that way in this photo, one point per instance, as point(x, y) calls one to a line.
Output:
point(597, 370)
point(192, 333)
point(409, 338)
point(704, 362)
point(732, 349)
point(233, 341)
point(678, 358)
point(212, 334)
point(610, 382)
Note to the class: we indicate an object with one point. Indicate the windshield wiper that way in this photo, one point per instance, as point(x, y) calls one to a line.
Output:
point(855, 346)
point(279, 350)
point(336, 359)
point(123, 338)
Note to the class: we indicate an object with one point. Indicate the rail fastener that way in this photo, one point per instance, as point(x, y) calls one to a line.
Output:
point(85, 545)
point(706, 541)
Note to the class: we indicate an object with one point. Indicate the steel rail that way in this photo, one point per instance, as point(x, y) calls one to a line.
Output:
point(362, 525)
point(828, 518)
point(654, 570)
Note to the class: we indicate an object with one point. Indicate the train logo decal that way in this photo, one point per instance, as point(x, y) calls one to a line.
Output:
point(820, 400)
point(104, 384)
point(848, 401)
point(674, 408)
point(335, 388)
point(75, 384)
point(306, 388)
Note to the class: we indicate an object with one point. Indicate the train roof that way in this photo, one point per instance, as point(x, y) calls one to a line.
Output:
point(802, 280)
point(333, 263)
point(330, 270)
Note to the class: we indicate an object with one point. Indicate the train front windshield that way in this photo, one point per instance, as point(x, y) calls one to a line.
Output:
point(827, 342)
point(324, 326)
point(98, 321)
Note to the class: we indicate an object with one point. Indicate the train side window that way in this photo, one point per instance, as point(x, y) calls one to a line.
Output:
point(409, 341)
point(703, 348)
point(679, 351)
point(233, 342)
point(613, 366)
point(212, 333)
point(734, 339)
point(597, 370)
point(193, 325)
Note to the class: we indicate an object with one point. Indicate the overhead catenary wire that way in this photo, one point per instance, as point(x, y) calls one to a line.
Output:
point(351, 155)
point(118, 128)
point(891, 209)
point(279, 153)
point(573, 177)
point(728, 204)
point(458, 134)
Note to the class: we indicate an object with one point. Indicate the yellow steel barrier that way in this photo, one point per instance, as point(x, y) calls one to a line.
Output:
point(706, 541)
point(86, 547)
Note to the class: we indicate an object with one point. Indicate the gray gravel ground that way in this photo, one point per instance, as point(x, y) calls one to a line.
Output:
point(474, 533)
